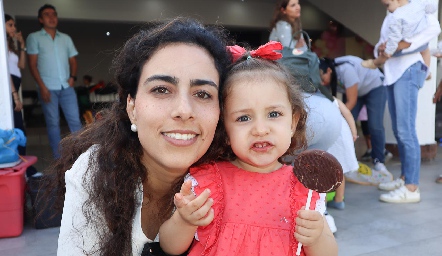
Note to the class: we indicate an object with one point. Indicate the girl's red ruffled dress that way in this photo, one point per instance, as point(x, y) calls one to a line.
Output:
point(254, 212)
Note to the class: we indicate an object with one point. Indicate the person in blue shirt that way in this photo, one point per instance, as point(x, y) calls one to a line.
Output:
point(53, 64)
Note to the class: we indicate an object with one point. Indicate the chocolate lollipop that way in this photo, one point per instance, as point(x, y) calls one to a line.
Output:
point(317, 170)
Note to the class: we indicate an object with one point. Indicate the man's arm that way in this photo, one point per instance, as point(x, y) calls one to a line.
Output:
point(44, 92)
point(73, 70)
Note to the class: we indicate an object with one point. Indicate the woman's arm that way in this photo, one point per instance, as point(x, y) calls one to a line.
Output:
point(15, 97)
point(78, 233)
point(22, 54)
point(349, 118)
point(438, 93)
point(284, 33)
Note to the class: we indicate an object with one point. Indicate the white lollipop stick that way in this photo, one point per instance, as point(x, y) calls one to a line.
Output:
point(307, 207)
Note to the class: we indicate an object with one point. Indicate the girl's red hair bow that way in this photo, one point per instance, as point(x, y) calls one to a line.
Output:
point(266, 51)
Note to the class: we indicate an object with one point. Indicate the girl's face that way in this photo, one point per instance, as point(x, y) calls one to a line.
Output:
point(259, 121)
point(391, 5)
point(293, 10)
point(10, 28)
point(176, 108)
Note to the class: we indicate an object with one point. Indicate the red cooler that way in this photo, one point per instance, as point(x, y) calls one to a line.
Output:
point(12, 197)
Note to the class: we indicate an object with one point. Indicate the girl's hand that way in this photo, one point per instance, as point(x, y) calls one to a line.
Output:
point(195, 211)
point(309, 227)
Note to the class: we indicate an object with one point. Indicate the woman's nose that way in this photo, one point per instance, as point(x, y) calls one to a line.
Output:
point(183, 109)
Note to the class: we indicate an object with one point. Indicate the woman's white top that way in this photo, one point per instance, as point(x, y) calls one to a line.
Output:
point(282, 32)
point(13, 64)
point(76, 236)
point(395, 67)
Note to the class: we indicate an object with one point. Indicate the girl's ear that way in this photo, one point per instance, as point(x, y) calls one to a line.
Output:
point(130, 109)
point(295, 120)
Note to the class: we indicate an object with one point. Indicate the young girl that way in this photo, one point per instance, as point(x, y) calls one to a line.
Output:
point(256, 203)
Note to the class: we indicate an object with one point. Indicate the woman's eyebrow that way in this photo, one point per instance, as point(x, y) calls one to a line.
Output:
point(199, 82)
point(169, 79)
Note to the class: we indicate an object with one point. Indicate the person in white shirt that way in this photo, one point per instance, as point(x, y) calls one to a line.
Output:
point(404, 76)
point(407, 19)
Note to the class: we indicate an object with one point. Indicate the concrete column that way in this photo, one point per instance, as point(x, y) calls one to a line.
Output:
point(5, 86)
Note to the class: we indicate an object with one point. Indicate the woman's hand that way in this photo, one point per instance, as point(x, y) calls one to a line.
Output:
point(195, 211)
point(309, 227)
point(19, 37)
point(438, 93)
point(18, 104)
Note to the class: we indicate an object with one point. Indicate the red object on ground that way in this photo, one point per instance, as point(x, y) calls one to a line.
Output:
point(12, 197)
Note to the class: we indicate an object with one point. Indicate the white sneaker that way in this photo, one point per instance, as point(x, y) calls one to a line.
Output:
point(386, 175)
point(388, 155)
point(392, 185)
point(330, 222)
point(401, 195)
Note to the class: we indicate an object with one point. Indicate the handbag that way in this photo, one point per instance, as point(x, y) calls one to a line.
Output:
point(304, 67)
point(10, 140)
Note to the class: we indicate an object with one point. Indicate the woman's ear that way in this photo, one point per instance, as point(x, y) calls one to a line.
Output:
point(130, 109)
point(329, 71)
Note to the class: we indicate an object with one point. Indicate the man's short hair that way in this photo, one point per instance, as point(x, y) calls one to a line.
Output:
point(44, 7)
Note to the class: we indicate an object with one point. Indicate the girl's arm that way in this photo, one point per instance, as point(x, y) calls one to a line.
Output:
point(22, 54)
point(177, 233)
point(349, 118)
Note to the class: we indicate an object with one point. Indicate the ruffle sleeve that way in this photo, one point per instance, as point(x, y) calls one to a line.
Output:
point(207, 176)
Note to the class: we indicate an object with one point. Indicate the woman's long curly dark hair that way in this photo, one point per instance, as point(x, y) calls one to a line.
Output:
point(115, 166)
point(254, 68)
point(278, 15)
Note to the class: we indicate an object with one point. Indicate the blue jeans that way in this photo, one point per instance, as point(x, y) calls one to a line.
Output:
point(402, 104)
point(67, 99)
point(375, 102)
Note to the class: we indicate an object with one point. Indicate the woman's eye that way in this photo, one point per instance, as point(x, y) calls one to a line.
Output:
point(274, 114)
point(160, 90)
point(203, 95)
point(243, 119)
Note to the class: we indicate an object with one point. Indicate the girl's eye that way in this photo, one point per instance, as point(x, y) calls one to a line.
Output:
point(203, 95)
point(243, 119)
point(160, 90)
point(274, 114)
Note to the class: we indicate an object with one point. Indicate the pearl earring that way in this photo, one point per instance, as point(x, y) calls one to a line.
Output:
point(291, 133)
point(133, 127)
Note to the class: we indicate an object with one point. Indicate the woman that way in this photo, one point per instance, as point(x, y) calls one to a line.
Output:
point(122, 171)
point(286, 23)
point(16, 62)
point(326, 127)
point(404, 76)
point(362, 86)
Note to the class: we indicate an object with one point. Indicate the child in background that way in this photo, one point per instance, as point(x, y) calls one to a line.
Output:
point(256, 202)
point(410, 18)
